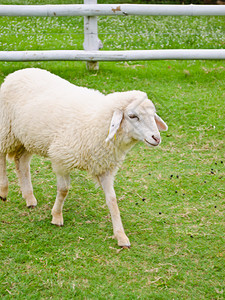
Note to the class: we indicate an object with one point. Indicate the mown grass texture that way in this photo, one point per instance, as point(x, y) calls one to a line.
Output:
point(171, 198)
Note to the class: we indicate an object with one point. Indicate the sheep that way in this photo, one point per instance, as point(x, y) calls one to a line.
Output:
point(75, 127)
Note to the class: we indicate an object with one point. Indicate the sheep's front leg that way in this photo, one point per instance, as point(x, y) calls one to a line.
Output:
point(22, 162)
point(63, 183)
point(107, 185)
point(3, 178)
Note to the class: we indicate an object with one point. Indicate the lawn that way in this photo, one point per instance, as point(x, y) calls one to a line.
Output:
point(172, 198)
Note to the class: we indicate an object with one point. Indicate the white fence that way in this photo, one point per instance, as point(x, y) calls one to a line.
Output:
point(111, 10)
point(92, 44)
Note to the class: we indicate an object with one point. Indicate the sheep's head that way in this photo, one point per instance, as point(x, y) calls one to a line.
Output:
point(138, 121)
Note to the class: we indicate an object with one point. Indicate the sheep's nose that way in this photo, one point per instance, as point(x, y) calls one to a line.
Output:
point(156, 139)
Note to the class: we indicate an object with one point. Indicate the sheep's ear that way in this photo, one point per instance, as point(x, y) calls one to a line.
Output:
point(160, 123)
point(115, 124)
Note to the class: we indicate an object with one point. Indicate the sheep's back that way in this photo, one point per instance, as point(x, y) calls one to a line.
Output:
point(45, 110)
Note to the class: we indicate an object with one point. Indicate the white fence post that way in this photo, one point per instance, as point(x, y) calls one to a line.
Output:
point(91, 40)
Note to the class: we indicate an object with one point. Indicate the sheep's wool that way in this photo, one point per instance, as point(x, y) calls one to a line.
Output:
point(49, 116)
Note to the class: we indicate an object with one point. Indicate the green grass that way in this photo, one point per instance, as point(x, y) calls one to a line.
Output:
point(177, 233)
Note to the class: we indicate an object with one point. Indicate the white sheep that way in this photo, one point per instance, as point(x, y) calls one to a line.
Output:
point(74, 127)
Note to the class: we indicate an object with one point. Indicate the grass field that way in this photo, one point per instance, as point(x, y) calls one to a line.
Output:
point(177, 232)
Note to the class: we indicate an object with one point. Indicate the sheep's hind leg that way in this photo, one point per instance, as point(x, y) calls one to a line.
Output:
point(63, 183)
point(22, 162)
point(107, 185)
point(3, 178)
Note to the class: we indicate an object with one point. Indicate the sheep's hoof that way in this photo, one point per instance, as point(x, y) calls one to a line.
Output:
point(3, 198)
point(57, 219)
point(125, 247)
point(123, 240)
point(58, 225)
point(30, 201)
point(31, 206)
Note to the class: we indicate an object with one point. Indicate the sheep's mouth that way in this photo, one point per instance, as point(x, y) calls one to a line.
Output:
point(147, 142)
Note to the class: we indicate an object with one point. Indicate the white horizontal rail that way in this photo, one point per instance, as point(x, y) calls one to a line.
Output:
point(111, 10)
point(81, 55)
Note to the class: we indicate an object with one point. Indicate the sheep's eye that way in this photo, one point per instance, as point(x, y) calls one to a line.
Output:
point(133, 116)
